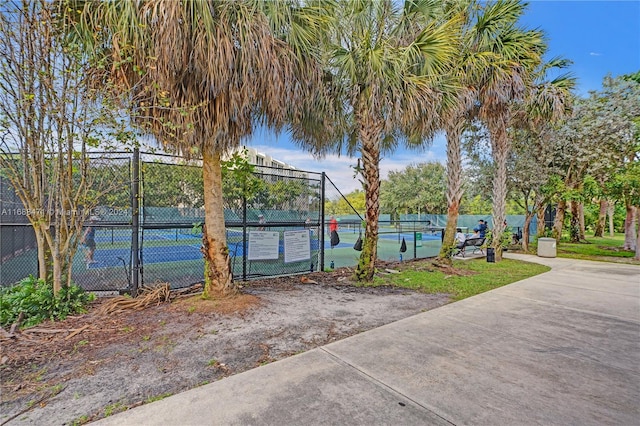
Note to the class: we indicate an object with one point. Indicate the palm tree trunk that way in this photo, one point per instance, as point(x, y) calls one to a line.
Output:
point(448, 242)
point(217, 274)
point(369, 137)
point(454, 189)
point(500, 145)
point(602, 216)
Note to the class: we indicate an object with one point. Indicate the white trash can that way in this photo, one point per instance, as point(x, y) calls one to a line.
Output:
point(547, 247)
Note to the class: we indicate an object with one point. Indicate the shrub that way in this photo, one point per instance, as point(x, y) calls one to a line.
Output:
point(34, 298)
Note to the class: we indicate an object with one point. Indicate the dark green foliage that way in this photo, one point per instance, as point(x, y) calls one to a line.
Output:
point(420, 187)
point(172, 185)
point(35, 299)
point(239, 181)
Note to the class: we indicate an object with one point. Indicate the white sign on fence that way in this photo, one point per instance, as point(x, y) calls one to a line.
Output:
point(263, 245)
point(297, 246)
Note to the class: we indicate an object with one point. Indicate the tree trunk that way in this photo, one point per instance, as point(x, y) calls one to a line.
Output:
point(57, 271)
point(602, 216)
point(525, 231)
point(542, 226)
point(558, 224)
point(637, 257)
point(574, 223)
point(369, 137)
point(448, 242)
point(582, 233)
point(57, 249)
point(611, 208)
point(454, 189)
point(42, 252)
point(218, 276)
point(630, 228)
point(500, 148)
point(72, 252)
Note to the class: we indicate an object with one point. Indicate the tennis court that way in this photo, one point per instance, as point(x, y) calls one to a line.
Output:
point(409, 236)
point(163, 226)
point(114, 235)
point(109, 258)
point(174, 255)
point(171, 246)
point(388, 248)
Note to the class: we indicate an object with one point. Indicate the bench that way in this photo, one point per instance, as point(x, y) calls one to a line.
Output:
point(475, 242)
point(516, 237)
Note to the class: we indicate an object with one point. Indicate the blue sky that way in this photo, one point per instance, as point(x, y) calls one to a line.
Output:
point(600, 37)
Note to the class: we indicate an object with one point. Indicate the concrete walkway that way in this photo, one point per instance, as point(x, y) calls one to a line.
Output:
point(561, 348)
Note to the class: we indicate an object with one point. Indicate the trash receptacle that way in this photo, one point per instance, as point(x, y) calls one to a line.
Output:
point(491, 255)
point(547, 247)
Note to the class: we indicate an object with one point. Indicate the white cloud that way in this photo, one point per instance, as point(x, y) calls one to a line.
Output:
point(595, 54)
point(340, 168)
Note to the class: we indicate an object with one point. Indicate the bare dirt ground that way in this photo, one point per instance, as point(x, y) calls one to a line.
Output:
point(91, 366)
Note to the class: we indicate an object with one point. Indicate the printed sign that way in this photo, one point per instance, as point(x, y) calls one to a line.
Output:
point(297, 246)
point(263, 245)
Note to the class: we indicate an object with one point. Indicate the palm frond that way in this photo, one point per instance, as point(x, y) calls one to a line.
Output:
point(201, 74)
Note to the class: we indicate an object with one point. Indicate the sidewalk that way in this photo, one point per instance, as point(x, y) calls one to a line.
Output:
point(561, 348)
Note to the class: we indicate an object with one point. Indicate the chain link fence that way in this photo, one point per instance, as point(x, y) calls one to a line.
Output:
point(149, 215)
point(147, 227)
point(110, 177)
point(17, 238)
point(283, 204)
point(398, 240)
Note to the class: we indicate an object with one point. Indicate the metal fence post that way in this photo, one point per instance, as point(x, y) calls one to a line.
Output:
point(322, 195)
point(135, 221)
point(245, 245)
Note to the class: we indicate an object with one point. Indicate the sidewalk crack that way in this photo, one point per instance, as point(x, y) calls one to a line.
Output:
point(383, 385)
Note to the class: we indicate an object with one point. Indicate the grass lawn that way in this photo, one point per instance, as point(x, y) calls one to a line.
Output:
point(466, 278)
point(598, 248)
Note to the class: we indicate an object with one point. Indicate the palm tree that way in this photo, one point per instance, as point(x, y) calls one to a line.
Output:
point(387, 60)
point(199, 75)
point(491, 73)
point(516, 93)
point(468, 72)
point(503, 92)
